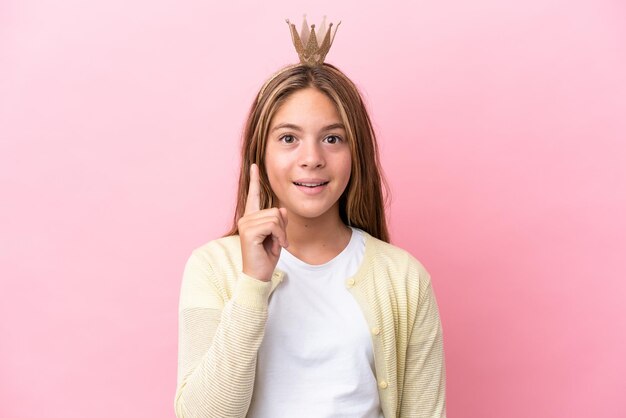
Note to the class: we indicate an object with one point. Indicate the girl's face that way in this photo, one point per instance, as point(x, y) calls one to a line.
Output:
point(307, 156)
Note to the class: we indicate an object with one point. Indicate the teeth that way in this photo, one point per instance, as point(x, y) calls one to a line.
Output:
point(310, 184)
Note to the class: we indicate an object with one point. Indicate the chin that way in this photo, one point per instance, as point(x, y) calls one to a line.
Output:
point(310, 212)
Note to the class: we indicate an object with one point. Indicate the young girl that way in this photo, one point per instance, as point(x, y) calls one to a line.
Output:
point(305, 308)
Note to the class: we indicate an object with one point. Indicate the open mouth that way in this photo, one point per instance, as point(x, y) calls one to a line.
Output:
point(310, 185)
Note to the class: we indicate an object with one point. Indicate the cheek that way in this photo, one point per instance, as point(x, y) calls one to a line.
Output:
point(275, 170)
point(347, 166)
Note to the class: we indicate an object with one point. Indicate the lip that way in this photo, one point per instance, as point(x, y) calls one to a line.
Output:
point(311, 190)
point(311, 180)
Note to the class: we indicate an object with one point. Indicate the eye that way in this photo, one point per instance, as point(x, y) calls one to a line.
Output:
point(333, 139)
point(287, 139)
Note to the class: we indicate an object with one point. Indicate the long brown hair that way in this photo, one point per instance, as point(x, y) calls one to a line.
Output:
point(362, 204)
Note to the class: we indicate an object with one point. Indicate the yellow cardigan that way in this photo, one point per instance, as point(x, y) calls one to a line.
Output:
point(222, 315)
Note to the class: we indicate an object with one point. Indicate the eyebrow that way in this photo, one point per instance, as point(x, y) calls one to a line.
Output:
point(299, 129)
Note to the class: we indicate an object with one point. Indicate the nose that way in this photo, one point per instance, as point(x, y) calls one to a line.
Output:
point(311, 154)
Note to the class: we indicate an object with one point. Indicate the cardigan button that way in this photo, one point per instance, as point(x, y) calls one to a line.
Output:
point(350, 283)
point(382, 384)
point(375, 330)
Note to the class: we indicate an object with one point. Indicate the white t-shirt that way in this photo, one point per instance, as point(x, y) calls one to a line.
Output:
point(316, 358)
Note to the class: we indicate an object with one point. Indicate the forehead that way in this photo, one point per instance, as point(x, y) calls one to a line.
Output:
point(306, 107)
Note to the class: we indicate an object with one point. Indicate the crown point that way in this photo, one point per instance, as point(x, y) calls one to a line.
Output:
point(310, 51)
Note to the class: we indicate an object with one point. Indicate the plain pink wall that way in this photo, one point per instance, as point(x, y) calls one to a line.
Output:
point(502, 131)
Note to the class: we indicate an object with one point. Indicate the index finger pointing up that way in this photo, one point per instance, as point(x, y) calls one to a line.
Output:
point(253, 203)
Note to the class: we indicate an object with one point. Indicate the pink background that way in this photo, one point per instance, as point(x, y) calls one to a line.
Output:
point(502, 130)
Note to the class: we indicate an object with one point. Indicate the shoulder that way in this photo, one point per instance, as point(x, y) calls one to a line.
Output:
point(398, 271)
point(210, 273)
point(221, 246)
point(218, 255)
point(218, 260)
point(394, 260)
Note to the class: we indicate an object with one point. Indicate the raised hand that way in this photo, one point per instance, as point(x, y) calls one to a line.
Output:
point(262, 233)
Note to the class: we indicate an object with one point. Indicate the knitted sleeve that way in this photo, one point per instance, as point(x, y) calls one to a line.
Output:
point(424, 392)
point(218, 342)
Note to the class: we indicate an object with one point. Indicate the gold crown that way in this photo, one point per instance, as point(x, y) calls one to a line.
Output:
point(310, 52)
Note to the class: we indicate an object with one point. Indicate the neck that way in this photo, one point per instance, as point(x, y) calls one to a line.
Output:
point(319, 238)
